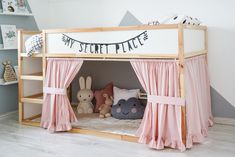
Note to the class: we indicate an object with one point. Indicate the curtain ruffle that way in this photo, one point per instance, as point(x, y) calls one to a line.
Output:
point(161, 144)
point(199, 137)
point(198, 100)
point(161, 124)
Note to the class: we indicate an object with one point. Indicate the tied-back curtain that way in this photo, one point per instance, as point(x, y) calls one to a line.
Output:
point(161, 124)
point(198, 100)
point(57, 113)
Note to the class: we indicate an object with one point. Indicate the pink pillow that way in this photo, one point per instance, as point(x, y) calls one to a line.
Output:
point(108, 89)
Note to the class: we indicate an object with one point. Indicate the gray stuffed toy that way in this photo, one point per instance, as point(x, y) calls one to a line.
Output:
point(130, 109)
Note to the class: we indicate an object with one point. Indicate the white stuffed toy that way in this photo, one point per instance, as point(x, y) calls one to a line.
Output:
point(85, 96)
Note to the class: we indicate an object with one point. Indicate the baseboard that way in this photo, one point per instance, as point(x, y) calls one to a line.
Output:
point(8, 113)
point(225, 121)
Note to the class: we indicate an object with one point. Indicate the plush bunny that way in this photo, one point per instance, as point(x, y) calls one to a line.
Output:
point(105, 108)
point(85, 96)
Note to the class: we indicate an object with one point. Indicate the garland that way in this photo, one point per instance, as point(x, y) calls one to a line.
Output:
point(102, 48)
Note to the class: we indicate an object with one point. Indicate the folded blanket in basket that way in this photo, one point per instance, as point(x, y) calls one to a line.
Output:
point(33, 44)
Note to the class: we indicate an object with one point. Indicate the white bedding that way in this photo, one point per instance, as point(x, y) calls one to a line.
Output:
point(111, 125)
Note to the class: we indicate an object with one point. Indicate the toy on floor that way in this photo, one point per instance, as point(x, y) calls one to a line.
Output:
point(128, 109)
point(105, 108)
point(85, 96)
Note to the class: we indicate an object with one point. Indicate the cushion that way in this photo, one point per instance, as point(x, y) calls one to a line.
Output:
point(108, 89)
point(125, 94)
point(34, 44)
point(128, 109)
point(177, 18)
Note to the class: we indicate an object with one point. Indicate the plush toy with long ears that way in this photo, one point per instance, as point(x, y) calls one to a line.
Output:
point(85, 96)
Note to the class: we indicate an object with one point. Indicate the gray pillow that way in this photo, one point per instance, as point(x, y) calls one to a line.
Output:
point(128, 109)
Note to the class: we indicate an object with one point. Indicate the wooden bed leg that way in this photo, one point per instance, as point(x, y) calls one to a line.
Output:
point(183, 111)
point(21, 112)
point(44, 63)
point(206, 44)
point(181, 79)
point(20, 82)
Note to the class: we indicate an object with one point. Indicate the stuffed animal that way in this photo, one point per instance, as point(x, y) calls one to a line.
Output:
point(105, 108)
point(85, 96)
point(9, 73)
point(128, 109)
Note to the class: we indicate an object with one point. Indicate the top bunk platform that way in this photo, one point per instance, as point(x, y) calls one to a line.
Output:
point(161, 41)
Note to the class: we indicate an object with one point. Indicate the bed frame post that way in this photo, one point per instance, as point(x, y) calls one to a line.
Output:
point(181, 81)
point(44, 60)
point(20, 82)
point(206, 43)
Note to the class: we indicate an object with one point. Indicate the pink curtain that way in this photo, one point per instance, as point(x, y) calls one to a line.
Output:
point(198, 100)
point(57, 113)
point(161, 124)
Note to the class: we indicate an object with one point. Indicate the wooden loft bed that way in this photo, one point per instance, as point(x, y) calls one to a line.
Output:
point(173, 42)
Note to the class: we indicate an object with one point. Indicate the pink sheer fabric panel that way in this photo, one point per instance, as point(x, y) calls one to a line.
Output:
point(198, 100)
point(161, 124)
point(57, 113)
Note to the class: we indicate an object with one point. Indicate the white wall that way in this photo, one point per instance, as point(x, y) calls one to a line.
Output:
point(216, 14)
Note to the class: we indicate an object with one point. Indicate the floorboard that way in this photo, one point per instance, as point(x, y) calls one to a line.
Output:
point(25, 141)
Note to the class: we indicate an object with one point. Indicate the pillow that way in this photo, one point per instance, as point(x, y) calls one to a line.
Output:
point(108, 89)
point(125, 94)
point(34, 44)
point(130, 109)
point(177, 18)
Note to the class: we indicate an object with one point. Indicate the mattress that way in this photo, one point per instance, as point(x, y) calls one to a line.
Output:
point(110, 125)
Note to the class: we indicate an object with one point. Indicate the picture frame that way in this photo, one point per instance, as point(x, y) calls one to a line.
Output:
point(9, 6)
point(9, 36)
point(22, 6)
point(14, 6)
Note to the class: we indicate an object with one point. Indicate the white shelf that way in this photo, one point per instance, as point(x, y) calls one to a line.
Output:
point(17, 14)
point(8, 83)
point(3, 49)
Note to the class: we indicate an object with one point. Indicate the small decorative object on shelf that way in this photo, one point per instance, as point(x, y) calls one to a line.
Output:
point(9, 36)
point(9, 6)
point(9, 73)
point(22, 7)
point(14, 6)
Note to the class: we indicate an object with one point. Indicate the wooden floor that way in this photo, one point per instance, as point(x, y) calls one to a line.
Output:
point(25, 141)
